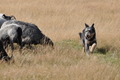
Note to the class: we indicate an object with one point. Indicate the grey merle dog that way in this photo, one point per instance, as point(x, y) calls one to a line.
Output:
point(88, 38)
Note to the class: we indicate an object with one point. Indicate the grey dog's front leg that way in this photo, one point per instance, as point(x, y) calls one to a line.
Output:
point(87, 49)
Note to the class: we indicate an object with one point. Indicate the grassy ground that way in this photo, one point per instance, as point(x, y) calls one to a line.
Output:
point(65, 62)
point(62, 20)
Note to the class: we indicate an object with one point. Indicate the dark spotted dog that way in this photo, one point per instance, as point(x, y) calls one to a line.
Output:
point(88, 38)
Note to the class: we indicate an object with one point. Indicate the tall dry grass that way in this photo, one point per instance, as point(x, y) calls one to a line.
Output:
point(63, 20)
point(60, 64)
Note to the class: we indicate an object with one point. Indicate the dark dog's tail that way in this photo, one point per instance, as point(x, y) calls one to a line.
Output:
point(19, 31)
point(80, 34)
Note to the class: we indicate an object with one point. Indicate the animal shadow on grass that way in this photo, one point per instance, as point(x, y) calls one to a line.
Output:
point(102, 50)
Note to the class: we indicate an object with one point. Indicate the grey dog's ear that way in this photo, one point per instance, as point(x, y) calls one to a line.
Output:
point(86, 25)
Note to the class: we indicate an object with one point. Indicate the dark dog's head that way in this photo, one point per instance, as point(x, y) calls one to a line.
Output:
point(89, 31)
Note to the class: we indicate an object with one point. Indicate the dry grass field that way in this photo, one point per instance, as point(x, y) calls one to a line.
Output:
point(62, 20)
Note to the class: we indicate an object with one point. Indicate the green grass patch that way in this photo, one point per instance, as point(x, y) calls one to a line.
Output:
point(104, 54)
point(73, 44)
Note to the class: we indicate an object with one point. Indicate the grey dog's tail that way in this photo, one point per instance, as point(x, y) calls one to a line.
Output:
point(80, 34)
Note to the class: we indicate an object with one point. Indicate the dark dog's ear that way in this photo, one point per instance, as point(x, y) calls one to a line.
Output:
point(86, 25)
point(92, 25)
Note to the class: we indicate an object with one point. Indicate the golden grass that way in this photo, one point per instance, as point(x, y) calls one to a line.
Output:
point(60, 64)
point(63, 20)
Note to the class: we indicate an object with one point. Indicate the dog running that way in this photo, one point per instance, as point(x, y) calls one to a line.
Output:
point(88, 38)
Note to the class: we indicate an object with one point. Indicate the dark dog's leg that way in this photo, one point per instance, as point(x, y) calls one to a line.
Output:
point(87, 49)
point(82, 41)
point(93, 47)
point(83, 49)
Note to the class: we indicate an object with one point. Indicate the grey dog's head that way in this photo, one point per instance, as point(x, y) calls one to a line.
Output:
point(89, 31)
